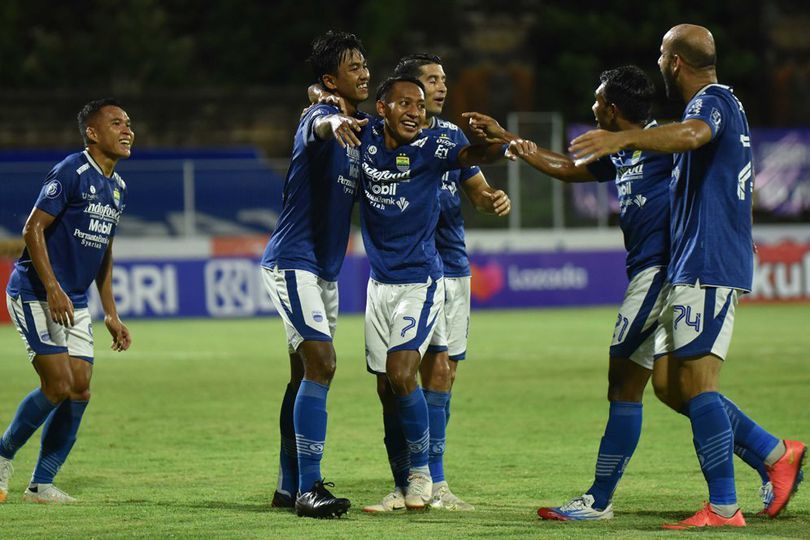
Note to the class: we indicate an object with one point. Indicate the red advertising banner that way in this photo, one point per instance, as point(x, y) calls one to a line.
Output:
point(781, 273)
point(5, 271)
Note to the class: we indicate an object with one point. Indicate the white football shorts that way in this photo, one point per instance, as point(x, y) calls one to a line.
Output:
point(308, 305)
point(696, 321)
point(455, 325)
point(401, 317)
point(43, 336)
point(634, 334)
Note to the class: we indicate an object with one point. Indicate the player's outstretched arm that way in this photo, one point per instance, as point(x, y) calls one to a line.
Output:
point(59, 303)
point(559, 166)
point(121, 339)
point(481, 154)
point(344, 129)
point(668, 139)
point(485, 198)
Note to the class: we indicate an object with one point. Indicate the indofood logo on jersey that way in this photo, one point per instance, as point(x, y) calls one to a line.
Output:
point(384, 176)
point(104, 212)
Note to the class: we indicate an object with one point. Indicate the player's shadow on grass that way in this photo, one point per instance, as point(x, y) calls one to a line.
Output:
point(256, 508)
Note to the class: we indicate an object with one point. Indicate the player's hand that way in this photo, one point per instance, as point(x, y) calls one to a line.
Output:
point(121, 339)
point(500, 203)
point(60, 306)
point(520, 148)
point(485, 127)
point(346, 128)
point(326, 98)
point(595, 144)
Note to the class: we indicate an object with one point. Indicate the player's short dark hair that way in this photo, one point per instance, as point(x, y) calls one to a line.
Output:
point(329, 50)
point(87, 113)
point(411, 65)
point(385, 87)
point(631, 90)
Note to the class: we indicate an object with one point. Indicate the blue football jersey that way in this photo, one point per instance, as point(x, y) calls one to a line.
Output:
point(320, 188)
point(711, 191)
point(400, 208)
point(450, 229)
point(642, 180)
point(87, 206)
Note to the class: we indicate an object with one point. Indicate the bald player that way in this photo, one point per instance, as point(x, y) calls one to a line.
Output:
point(711, 266)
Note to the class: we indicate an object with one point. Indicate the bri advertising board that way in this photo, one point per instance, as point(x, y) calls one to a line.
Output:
point(224, 287)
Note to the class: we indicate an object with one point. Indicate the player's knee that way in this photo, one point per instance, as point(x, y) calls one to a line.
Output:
point(57, 391)
point(401, 380)
point(82, 395)
point(439, 377)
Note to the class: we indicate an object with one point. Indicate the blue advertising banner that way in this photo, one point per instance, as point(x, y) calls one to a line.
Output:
point(233, 287)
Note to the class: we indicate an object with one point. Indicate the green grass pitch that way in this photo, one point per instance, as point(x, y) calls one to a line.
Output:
point(181, 440)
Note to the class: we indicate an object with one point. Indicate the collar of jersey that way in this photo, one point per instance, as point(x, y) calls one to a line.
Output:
point(92, 162)
point(702, 90)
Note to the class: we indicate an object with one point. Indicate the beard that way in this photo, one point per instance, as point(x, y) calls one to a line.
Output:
point(670, 86)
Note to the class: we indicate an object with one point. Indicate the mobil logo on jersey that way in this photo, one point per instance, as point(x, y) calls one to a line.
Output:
point(781, 273)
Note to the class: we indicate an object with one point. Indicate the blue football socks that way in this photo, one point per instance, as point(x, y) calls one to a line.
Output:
point(714, 443)
point(32, 411)
point(621, 437)
point(437, 421)
point(397, 448)
point(288, 457)
point(750, 436)
point(58, 437)
point(310, 432)
point(413, 416)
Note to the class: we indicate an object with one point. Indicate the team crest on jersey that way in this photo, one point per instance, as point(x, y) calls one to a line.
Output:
point(116, 197)
point(636, 156)
point(403, 163)
point(54, 189)
point(317, 316)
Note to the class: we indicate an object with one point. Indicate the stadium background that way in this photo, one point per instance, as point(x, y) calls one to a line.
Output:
point(215, 90)
point(181, 438)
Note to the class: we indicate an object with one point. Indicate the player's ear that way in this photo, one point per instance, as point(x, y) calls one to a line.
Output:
point(380, 108)
point(328, 82)
point(90, 134)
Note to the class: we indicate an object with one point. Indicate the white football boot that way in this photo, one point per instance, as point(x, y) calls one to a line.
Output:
point(445, 499)
point(419, 492)
point(6, 470)
point(47, 494)
point(392, 502)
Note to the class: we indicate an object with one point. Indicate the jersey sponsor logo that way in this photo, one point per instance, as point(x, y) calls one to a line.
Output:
point(403, 163)
point(102, 227)
point(349, 185)
point(402, 203)
point(446, 125)
point(441, 152)
point(372, 149)
point(53, 190)
point(716, 117)
point(386, 176)
point(695, 108)
point(105, 212)
point(91, 240)
point(640, 200)
point(448, 185)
